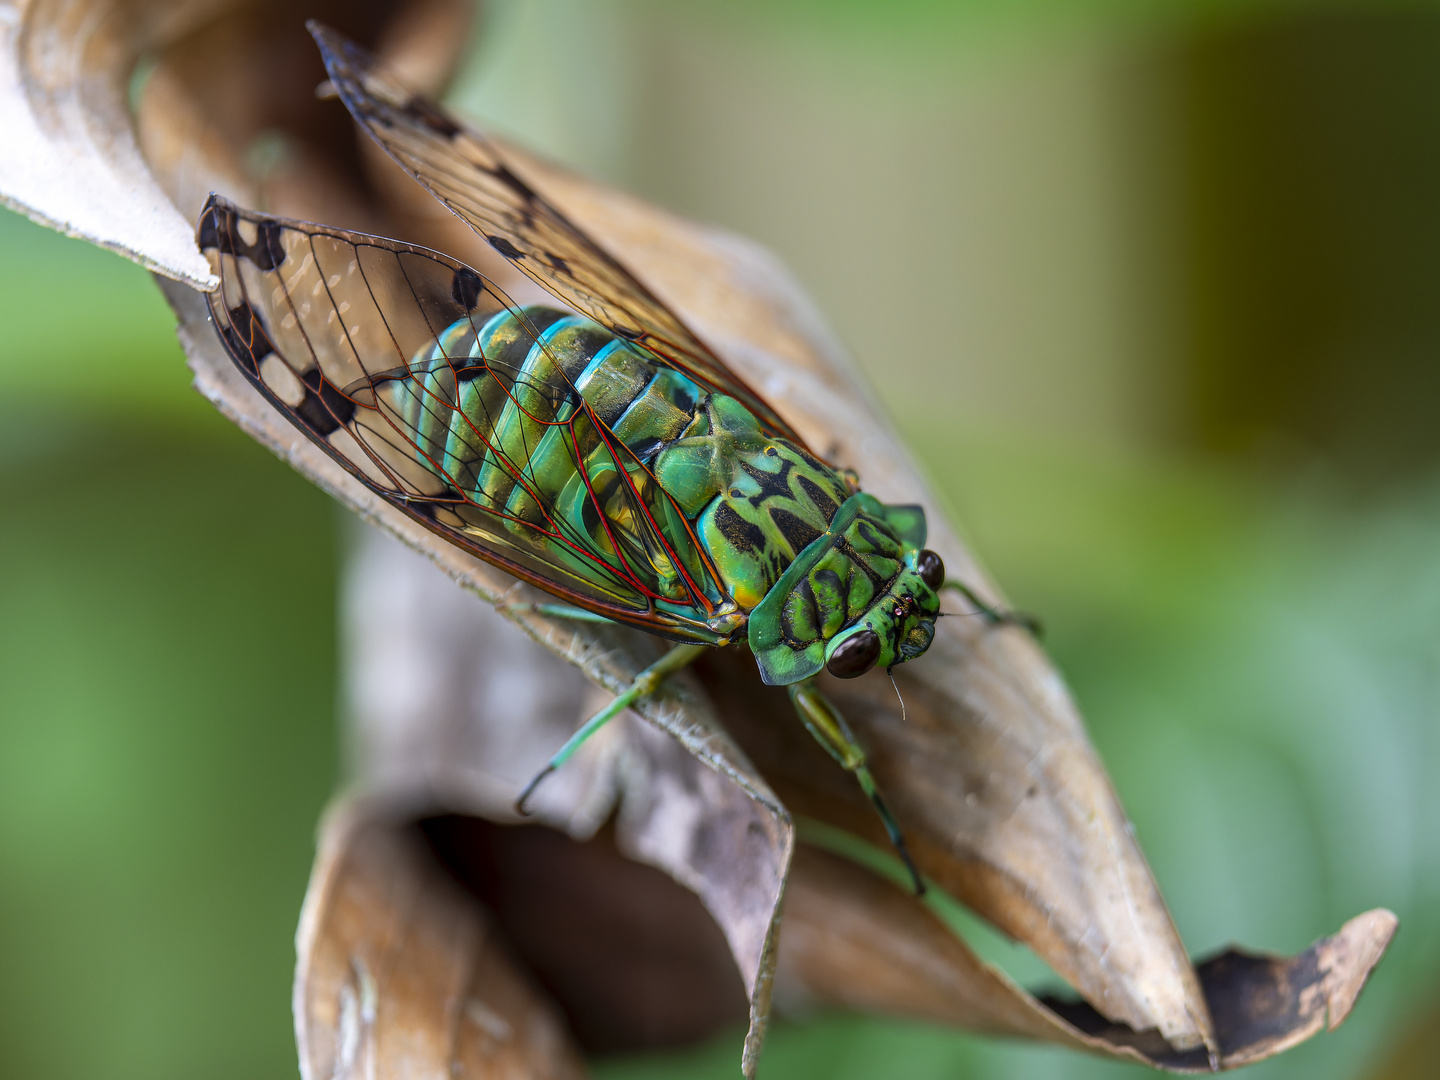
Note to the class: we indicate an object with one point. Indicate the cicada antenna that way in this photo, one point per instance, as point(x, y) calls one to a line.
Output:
point(890, 671)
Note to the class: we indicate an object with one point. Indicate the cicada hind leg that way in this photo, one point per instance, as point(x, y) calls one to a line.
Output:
point(830, 730)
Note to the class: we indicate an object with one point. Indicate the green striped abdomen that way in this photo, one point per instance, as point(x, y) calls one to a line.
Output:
point(500, 429)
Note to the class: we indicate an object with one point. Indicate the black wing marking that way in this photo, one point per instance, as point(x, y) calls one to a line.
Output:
point(469, 174)
point(362, 343)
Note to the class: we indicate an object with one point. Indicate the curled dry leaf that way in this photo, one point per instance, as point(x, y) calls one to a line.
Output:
point(888, 955)
point(391, 946)
point(1001, 795)
point(70, 159)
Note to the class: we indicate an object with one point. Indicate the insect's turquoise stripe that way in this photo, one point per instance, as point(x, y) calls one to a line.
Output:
point(428, 411)
point(596, 363)
point(517, 432)
point(552, 464)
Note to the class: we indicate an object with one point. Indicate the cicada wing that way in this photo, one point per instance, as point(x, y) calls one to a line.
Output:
point(470, 175)
point(369, 346)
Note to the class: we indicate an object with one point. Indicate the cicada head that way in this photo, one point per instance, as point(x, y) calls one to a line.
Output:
point(863, 594)
point(898, 626)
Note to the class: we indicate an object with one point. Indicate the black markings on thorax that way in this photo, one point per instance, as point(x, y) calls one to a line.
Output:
point(744, 536)
point(827, 506)
point(771, 484)
point(798, 532)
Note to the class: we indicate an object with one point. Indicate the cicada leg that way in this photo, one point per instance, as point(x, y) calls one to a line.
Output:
point(646, 683)
point(996, 616)
point(825, 723)
point(557, 611)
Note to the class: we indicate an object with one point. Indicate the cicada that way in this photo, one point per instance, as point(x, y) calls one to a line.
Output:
point(597, 449)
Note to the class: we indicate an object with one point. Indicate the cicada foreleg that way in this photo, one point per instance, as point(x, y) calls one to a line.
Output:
point(994, 615)
point(828, 726)
point(645, 684)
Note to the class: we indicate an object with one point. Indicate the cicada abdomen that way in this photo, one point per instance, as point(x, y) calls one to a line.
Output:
point(552, 423)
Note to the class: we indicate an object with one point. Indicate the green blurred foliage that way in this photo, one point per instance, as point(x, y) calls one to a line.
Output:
point(1312, 229)
point(82, 329)
point(909, 20)
point(167, 675)
point(1253, 639)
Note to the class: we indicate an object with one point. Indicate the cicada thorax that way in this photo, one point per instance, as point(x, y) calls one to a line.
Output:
point(757, 501)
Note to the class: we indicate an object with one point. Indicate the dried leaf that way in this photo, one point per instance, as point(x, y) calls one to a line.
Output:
point(853, 940)
point(70, 159)
point(403, 975)
point(428, 660)
point(632, 957)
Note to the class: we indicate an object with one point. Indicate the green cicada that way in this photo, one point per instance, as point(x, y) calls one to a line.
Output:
point(602, 453)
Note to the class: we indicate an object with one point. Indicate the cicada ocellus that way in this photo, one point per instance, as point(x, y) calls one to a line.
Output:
point(602, 452)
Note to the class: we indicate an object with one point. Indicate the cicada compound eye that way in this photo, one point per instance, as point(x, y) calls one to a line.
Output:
point(855, 655)
point(931, 569)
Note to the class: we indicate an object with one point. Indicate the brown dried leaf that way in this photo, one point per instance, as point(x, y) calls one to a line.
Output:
point(231, 106)
point(1265, 1004)
point(853, 940)
point(70, 159)
point(427, 661)
point(403, 975)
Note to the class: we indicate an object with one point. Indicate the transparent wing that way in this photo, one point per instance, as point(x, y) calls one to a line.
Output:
point(469, 174)
point(371, 347)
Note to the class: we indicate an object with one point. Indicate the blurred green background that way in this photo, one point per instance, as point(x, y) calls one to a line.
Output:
point(1153, 291)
